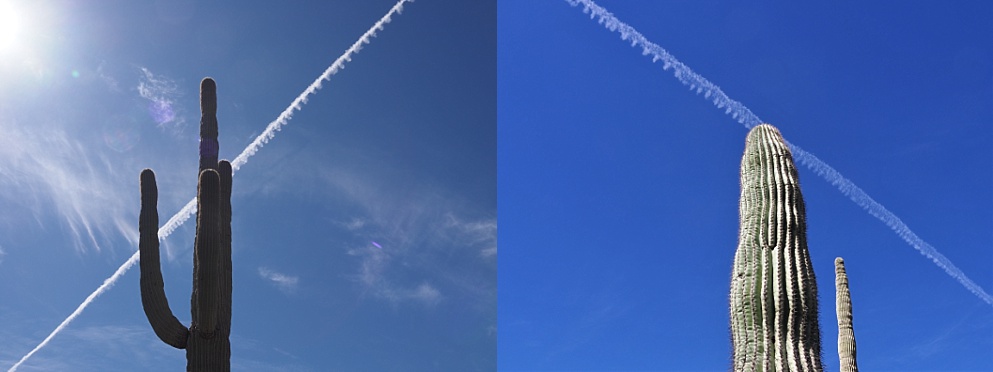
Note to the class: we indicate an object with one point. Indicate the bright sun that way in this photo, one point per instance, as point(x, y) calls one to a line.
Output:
point(9, 26)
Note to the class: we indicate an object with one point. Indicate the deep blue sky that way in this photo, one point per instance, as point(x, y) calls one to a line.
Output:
point(399, 148)
point(618, 187)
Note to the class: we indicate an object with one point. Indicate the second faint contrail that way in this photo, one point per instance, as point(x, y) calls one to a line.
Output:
point(699, 84)
point(187, 211)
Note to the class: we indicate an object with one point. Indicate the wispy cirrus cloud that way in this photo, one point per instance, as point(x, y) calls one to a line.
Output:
point(423, 237)
point(161, 93)
point(424, 294)
point(354, 224)
point(132, 341)
point(480, 234)
point(48, 167)
point(286, 283)
point(110, 81)
point(373, 276)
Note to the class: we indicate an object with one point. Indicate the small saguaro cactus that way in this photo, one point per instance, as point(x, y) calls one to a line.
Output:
point(207, 339)
point(773, 292)
point(846, 334)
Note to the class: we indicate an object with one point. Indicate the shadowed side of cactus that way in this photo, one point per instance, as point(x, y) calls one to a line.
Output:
point(773, 291)
point(846, 334)
point(207, 340)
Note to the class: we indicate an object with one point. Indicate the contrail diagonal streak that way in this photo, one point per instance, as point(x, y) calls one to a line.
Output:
point(738, 111)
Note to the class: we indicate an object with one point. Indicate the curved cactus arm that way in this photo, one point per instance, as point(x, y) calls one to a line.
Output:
point(773, 291)
point(153, 299)
point(206, 253)
point(846, 334)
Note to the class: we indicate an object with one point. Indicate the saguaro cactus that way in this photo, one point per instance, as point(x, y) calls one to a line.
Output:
point(846, 334)
point(773, 292)
point(206, 340)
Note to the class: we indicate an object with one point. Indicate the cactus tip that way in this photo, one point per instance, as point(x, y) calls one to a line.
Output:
point(147, 181)
point(224, 166)
point(208, 83)
point(208, 96)
point(209, 179)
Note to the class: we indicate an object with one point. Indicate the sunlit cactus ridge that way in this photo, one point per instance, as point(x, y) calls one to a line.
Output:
point(206, 341)
point(846, 334)
point(773, 295)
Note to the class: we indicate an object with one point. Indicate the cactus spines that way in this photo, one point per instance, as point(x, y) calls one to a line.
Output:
point(846, 334)
point(773, 292)
point(207, 339)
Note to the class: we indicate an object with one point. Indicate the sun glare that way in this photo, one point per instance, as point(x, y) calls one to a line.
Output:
point(10, 27)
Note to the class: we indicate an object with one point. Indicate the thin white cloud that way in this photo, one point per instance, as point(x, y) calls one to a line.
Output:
point(108, 80)
point(354, 224)
point(424, 294)
point(481, 234)
point(161, 93)
point(286, 283)
point(44, 167)
point(2, 253)
point(425, 237)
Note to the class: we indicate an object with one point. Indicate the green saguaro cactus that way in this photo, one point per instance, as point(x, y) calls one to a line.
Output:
point(207, 339)
point(846, 334)
point(773, 292)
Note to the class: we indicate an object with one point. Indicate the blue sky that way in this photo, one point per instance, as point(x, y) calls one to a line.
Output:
point(399, 148)
point(618, 186)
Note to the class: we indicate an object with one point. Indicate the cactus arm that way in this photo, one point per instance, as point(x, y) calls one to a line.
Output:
point(846, 334)
point(207, 254)
point(773, 291)
point(224, 309)
point(153, 299)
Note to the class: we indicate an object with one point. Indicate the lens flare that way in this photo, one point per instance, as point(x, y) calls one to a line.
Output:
point(121, 133)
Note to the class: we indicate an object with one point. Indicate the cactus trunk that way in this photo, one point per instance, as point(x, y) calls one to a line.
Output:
point(207, 340)
point(773, 292)
point(846, 334)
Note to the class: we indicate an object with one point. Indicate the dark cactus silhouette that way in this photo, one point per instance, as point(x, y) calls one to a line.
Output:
point(207, 339)
point(846, 334)
point(773, 292)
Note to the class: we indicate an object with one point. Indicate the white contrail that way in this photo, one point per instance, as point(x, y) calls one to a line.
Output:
point(275, 125)
point(187, 211)
point(880, 212)
point(699, 84)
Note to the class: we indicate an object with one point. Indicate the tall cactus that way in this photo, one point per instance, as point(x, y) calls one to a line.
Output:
point(207, 340)
point(773, 292)
point(846, 334)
